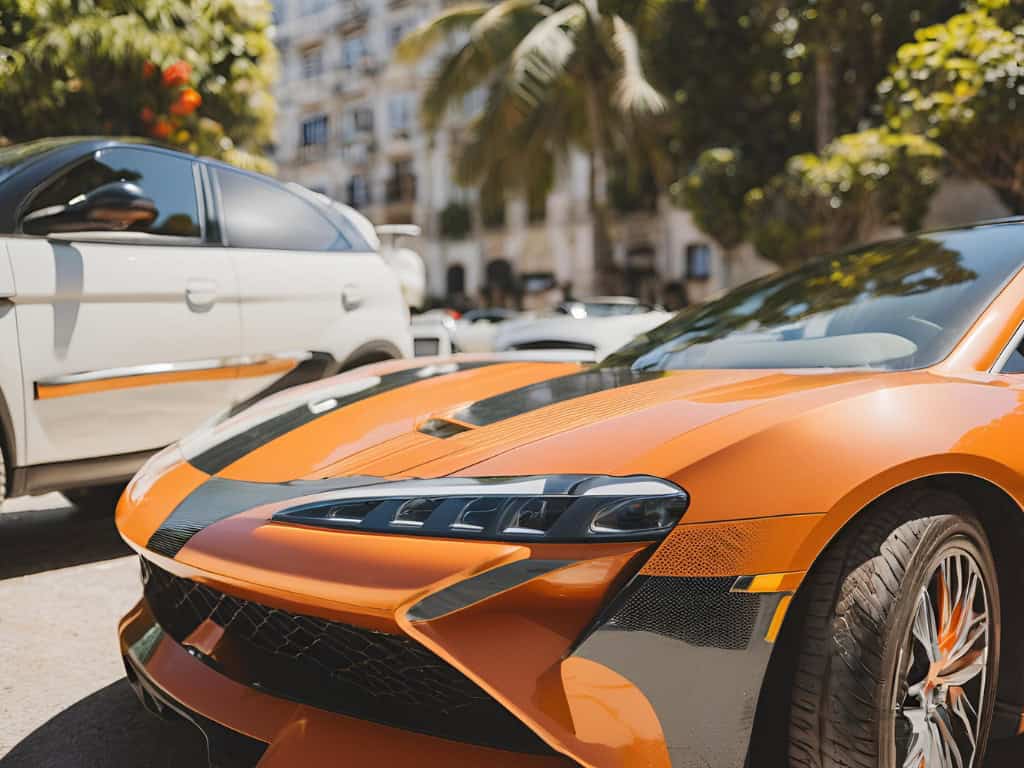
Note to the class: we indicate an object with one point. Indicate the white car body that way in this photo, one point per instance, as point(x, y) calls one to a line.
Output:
point(597, 335)
point(117, 343)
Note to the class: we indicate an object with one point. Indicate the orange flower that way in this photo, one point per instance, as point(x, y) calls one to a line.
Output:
point(177, 74)
point(148, 68)
point(161, 129)
point(187, 102)
point(147, 115)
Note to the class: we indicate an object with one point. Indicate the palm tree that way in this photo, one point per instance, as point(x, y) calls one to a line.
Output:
point(559, 74)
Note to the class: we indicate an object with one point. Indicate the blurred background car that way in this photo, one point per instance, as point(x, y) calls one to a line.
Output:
point(144, 291)
point(476, 329)
point(598, 326)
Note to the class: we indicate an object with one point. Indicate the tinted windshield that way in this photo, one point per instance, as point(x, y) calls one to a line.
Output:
point(17, 154)
point(896, 306)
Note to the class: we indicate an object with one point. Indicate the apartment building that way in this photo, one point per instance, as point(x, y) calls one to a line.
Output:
point(348, 128)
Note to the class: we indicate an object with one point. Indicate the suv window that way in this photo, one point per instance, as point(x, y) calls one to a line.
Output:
point(261, 214)
point(167, 180)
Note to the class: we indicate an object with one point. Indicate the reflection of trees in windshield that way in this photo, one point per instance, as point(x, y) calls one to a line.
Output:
point(783, 303)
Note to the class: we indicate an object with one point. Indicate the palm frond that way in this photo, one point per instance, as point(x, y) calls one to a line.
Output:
point(491, 41)
point(545, 52)
point(634, 94)
point(422, 40)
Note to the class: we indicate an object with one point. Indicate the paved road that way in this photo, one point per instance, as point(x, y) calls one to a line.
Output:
point(65, 579)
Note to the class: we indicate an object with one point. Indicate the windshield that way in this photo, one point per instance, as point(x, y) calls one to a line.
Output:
point(895, 306)
point(16, 154)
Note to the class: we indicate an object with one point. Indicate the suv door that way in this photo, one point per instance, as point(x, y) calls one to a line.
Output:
point(302, 289)
point(128, 339)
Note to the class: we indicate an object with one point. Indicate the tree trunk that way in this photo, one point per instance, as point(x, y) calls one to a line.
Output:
point(604, 262)
point(824, 92)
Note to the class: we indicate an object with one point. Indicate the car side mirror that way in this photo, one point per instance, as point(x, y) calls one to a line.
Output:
point(112, 207)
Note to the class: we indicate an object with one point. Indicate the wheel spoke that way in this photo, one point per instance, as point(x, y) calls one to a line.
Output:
point(925, 627)
point(942, 696)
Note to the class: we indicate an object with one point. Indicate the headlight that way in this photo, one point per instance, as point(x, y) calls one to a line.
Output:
point(562, 508)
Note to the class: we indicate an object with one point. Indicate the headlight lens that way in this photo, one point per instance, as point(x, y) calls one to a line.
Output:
point(536, 508)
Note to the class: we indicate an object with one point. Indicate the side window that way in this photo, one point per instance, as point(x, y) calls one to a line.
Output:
point(167, 180)
point(260, 214)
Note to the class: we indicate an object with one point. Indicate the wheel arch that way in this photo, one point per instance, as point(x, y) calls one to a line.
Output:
point(1002, 517)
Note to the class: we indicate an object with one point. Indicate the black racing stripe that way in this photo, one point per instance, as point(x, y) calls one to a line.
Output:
point(480, 587)
point(223, 455)
point(545, 393)
point(218, 499)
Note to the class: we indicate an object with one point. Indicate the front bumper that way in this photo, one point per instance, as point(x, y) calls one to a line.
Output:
point(245, 727)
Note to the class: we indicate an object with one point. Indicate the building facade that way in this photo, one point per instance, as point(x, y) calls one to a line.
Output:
point(348, 127)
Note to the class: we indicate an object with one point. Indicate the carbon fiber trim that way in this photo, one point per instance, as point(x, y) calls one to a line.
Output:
point(545, 393)
point(217, 499)
point(389, 679)
point(480, 587)
point(697, 652)
point(223, 455)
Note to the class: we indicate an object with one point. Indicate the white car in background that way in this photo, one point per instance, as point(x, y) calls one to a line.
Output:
point(145, 291)
point(597, 326)
point(477, 329)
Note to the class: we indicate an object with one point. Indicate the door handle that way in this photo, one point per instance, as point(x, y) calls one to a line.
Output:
point(351, 297)
point(200, 295)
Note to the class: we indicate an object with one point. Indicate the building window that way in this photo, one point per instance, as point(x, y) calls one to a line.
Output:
point(314, 131)
point(698, 261)
point(401, 115)
point(354, 52)
point(402, 184)
point(358, 192)
point(362, 120)
point(312, 63)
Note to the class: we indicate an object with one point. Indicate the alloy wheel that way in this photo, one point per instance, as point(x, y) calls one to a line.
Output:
point(942, 668)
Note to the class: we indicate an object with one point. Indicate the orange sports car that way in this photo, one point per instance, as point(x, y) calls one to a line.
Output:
point(784, 528)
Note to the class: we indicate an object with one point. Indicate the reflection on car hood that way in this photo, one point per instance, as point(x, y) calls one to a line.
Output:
point(406, 419)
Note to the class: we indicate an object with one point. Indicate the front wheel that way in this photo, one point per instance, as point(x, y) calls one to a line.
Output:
point(899, 654)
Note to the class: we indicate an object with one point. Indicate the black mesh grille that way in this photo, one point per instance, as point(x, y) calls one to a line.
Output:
point(389, 679)
point(699, 611)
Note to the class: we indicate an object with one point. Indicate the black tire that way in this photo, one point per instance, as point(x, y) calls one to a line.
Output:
point(3, 477)
point(856, 611)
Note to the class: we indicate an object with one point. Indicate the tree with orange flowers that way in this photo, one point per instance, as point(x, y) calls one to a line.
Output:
point(194, 74)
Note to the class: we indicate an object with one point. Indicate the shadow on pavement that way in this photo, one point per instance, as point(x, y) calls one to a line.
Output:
point(109, 729)
point(36, 540)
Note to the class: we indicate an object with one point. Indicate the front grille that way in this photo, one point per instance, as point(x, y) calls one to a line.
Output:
point(358, 672)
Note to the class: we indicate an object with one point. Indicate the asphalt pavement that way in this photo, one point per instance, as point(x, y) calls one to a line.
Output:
point(65, 580)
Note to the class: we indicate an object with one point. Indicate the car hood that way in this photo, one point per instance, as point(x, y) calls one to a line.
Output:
point(480, 416)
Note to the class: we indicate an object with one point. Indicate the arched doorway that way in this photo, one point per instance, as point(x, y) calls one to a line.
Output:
point(500, 287)
point(641, 276)
point(455, 281)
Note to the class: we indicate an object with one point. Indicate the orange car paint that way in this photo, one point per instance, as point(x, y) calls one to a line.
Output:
point(302, 735)
point(815, 449)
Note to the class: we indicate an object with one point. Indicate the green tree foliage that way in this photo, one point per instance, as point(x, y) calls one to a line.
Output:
point(861, 182)
point(193, 74)
point(961, 83)
point(559, 74)
point(750, 86)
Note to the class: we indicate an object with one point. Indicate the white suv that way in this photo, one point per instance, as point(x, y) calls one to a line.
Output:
point(144, 291)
